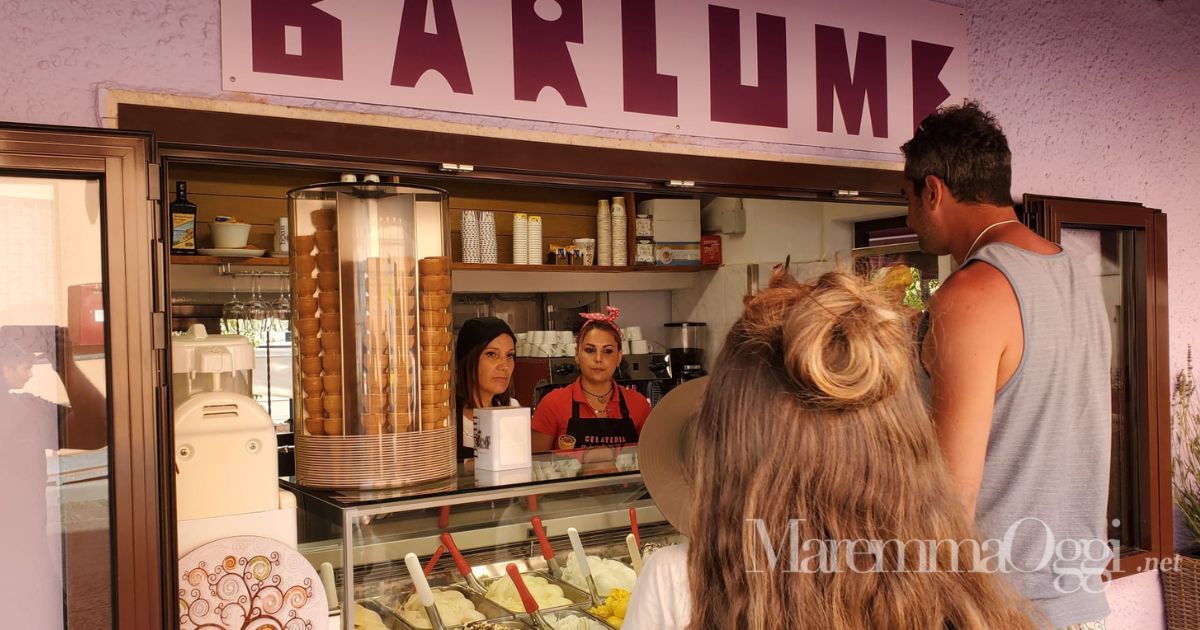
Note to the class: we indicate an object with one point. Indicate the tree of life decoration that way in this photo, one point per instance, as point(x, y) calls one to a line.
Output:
point(249, 588)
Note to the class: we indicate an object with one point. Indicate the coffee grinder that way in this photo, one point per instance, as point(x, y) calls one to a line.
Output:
point(685, 350)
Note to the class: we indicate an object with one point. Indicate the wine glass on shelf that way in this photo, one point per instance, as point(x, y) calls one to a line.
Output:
point(281, 309)
point(258, 311)
point(233, 313)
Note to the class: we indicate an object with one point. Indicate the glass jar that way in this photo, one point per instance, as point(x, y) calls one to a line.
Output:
point(371, 335)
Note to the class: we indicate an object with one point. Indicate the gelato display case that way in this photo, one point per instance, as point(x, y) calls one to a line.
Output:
point(372, 336)
point(468, 529)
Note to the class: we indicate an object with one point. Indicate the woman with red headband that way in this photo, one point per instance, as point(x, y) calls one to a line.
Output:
point(593, 410)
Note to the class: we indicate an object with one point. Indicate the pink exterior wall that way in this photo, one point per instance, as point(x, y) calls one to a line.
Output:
point(1100, 99)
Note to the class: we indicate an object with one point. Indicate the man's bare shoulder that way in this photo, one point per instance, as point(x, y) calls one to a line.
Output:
point(976, 305)
point(976, 288)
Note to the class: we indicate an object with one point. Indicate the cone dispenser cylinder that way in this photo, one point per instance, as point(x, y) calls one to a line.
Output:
point(372, 341)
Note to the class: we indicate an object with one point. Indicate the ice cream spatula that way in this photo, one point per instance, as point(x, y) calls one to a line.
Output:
point(635, 554)
point(461, 563)
point(424, 593)
point(584, 568)
point(527, 599)
point(547, 548)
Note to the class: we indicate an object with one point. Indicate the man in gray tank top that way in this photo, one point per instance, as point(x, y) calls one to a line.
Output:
point(1018, 354)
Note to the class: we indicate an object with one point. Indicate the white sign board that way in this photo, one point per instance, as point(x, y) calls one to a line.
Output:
point(853, 74)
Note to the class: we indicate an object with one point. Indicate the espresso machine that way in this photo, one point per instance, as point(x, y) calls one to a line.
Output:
point(685, 350)
point(647, 373)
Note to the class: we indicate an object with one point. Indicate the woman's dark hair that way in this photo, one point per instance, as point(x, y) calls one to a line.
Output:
point(964, 147)
point(468, 382)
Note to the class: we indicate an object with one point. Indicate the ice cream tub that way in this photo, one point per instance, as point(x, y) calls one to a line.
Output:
point(502, 592)
point(608, 573)
point(372, 615)
point(579, 619)
point(401, 608)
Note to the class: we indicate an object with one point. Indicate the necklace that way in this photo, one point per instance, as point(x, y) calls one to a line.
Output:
point(985, 231)
point(599, 397)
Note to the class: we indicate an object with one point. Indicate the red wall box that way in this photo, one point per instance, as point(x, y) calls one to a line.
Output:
point(85, 307)
point(710, 249)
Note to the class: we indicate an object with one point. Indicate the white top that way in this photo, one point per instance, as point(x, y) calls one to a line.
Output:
point(468, 425)
point(662, 599)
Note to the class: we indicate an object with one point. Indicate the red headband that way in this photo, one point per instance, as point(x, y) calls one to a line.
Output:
point(609, 317)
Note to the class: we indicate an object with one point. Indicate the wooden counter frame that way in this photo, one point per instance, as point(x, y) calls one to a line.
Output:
point(216, 137)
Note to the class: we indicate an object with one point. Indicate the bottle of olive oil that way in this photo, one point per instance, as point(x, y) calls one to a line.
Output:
point(183, 222)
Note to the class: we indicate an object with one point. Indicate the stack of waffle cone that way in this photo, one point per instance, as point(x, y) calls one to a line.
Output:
point(435, 318)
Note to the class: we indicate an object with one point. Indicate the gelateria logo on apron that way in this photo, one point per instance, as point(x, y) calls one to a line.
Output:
point(855, 74)
point(594, 440)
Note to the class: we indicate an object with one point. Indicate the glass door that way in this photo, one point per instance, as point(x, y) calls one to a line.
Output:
point(79, 392)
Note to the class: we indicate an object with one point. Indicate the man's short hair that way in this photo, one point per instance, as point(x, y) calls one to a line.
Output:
point(964, 147)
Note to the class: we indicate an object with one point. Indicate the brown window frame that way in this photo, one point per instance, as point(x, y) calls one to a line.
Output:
point(142, 524)
point(1151, 372)
point(863, 230)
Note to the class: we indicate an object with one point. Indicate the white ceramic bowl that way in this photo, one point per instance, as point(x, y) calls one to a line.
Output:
point(230, 235)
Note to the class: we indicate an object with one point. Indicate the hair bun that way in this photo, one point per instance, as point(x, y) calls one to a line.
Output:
point(845, 343)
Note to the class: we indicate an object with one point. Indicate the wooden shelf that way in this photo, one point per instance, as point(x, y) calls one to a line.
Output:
point(475, 278)
point(582, 269)
point(234, 260)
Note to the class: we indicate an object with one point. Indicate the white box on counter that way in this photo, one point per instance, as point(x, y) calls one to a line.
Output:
point(677, 254)
point(503, 477)
point(673, 220)
point(502, 438)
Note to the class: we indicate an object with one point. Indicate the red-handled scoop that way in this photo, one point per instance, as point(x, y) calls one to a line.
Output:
point(547, 548)
point(527, 600)
point(444, 517)
point(461, 563)
point(437, 555)
point(633, 526)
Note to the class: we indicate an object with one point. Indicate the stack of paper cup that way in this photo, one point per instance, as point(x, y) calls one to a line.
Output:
point(470, 237)
point(487, 237)
point(603, 234)
point(534, 255)
point(521, 239)
point(620, 249)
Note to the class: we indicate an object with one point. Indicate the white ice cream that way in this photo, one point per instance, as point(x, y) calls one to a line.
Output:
point(608, 574)
point(454, 608)
point(575, 622)
point(547, 595)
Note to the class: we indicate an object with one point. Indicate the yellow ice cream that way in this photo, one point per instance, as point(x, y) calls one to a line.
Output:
point(613, 608)
point(367, 619)
point(454, 608)
point(547, 595)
